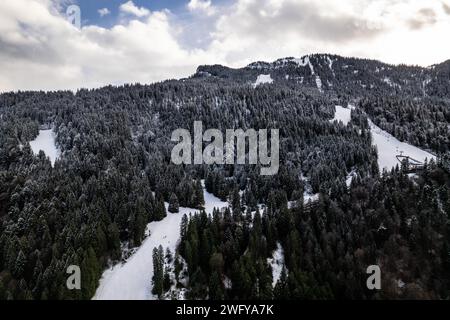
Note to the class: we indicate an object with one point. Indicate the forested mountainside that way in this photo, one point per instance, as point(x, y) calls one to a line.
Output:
point(344, 76)
point(114, 175)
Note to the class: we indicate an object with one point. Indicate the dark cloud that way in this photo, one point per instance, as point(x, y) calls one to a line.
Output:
point(33, 47)
point(425, 17)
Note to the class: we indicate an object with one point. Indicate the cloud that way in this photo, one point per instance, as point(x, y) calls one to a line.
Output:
point(308, 19)
point(103, 12)
point(446, 8)
point(267, 29)
point(130, 8)
point(425, 16)
point(40, 49)
point(203, 6)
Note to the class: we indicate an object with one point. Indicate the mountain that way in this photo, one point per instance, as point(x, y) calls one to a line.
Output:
point(341, 75)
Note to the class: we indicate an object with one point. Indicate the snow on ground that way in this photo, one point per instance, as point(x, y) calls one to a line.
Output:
point(342, 114)
point(212, 201)
point(425, 84)
point(391, 83)
point(227, 283)
point(263, 78)
point(389, 147)
point(307, 194)
point(303, 62)
point(310, 197)
point(132, 280)
point(330, 64)
point(277, 263)
point(46, 141)
point(349, 179)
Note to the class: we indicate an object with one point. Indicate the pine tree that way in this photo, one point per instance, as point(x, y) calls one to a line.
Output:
point(216, 291)
point(281, 287)
point(160, 209)
point(184, 226)
point(158, 271)
point(173, 203)
point(235, 200)
point(20, 263)
point(199, 200)
point(90, 273)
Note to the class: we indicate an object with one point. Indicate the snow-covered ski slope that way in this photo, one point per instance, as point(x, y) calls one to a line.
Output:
point(46, 141)
point(132, 280)
point(389, 147)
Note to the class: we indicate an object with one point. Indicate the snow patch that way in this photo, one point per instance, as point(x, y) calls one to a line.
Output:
point(391, 83)
point(308, 194)
point(349, 179)
point(330, 64)
point(227, 283)
point(307, 197)
point(277, 263)
point(425, 83)
point(305, 61)
point(46, 141)
point(262, 79)
point(342, 114)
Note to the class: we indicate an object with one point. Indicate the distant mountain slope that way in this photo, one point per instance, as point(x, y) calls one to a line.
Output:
point(343, 75)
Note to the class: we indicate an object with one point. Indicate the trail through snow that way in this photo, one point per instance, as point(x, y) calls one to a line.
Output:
point(389, 147)
point(132, 280)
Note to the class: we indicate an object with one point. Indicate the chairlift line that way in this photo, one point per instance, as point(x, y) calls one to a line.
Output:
point(411, 164)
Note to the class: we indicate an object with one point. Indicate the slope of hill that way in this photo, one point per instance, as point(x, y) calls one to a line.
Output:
point(340, 75)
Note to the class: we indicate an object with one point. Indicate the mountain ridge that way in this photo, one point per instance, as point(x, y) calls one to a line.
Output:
point(337, 74)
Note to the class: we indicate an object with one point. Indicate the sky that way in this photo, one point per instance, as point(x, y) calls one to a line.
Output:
point(124, 41)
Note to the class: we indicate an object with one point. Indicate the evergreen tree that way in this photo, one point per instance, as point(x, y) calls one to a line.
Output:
point(158, 271)
point(198, 201)
point(173, 204)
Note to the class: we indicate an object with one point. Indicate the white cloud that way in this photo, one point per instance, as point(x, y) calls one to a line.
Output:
point(104, 12)
point(130, 8)
point(39, 49)
point(203, 6)
point(381, 29)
